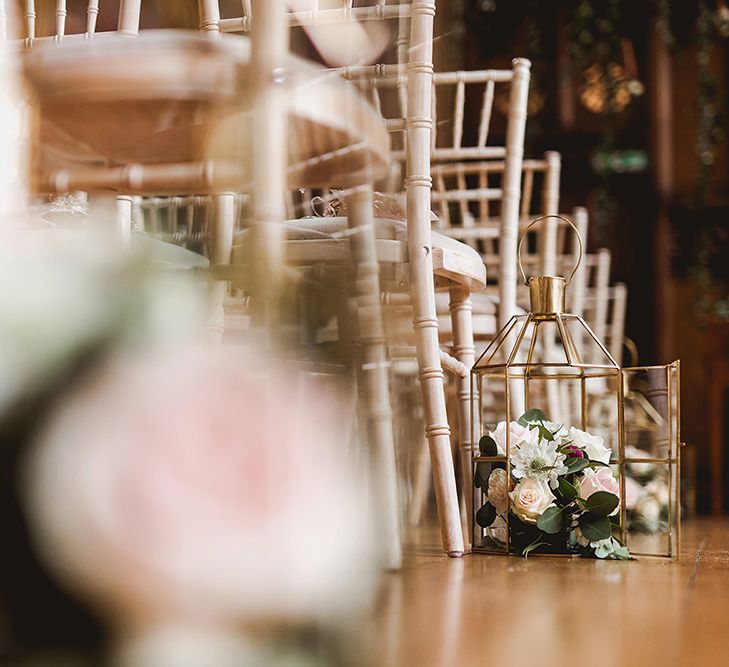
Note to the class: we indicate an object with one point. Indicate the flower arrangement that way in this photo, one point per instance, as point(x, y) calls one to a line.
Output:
point(559, 493)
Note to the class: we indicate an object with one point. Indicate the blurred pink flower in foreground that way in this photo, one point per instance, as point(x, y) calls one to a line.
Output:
point(202, 487)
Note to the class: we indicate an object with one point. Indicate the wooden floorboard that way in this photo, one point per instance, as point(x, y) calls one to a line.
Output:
point(494, 610)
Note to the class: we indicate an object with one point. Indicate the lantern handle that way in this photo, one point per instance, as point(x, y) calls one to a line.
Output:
point(534, 222)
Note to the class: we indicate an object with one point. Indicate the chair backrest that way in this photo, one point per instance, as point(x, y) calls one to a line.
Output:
point(184, 221)
point(468, 198)
point(451, 142)
point(304, 13)
point(57, 25)
point(462, 134)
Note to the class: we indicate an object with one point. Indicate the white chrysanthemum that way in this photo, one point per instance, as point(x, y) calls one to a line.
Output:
point(538, 459)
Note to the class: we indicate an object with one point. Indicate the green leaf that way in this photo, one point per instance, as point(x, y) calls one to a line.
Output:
point(486, 515)
point(533, 415)
point(487, 446)
point(620, 551)
point(533, 546)
point(551, 520)
point(595, 527)
point(602, 503)
point(545, 433)
point(598, 464)
point(566, 490)
point(483, 472)
point(575, 464)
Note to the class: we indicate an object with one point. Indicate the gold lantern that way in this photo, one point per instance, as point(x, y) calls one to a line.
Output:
point(547, 370)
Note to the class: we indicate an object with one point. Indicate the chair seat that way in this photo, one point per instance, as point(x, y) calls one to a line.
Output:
point(158, 254)
point(178, 98)
point(314, 240)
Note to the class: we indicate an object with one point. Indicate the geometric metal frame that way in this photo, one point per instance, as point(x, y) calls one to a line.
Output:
point(513, 357)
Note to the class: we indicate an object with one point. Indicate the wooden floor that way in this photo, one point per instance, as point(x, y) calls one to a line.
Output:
point(491, 610)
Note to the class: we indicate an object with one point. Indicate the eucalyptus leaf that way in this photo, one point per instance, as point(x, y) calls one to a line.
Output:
point(483, 472)
point(486, 515)
point(598, 464)
point(620, 551)
point(595, 527)
point(551, 520)
point(575, 464)
point(533, 415)
point(487, 446)
point(545, 433)
point(566, 490)
point(602, 503)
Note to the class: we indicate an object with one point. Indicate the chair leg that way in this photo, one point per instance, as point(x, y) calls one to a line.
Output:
point(124, 220)
point(422, 480)
point(465, 351)
point(221, 243)
point(374, 371)
point(425, 321)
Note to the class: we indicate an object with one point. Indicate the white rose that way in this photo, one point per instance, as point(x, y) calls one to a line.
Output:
point(530, 498)
point(498, 492)
point(518, 434)
point(593, 445)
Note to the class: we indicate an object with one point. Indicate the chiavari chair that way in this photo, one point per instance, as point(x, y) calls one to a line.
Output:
point(450, 142)
point(418, 46)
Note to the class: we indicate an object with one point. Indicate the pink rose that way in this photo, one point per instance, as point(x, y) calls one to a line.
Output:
point(592, 481)
point(202, 484)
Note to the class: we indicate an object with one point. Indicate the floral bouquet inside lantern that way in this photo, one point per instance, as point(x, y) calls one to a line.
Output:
point(557, 495)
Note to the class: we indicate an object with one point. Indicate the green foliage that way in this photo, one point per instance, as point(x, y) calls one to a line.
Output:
point(487, 446)
point(620, 551)
point(531, 416)
point(595, 527)
point(566, 490)
point(576, 463)
point(602, 503)
point(551, 520)
point(486, 515)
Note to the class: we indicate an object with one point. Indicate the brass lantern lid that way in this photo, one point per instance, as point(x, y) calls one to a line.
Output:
point(548, 337)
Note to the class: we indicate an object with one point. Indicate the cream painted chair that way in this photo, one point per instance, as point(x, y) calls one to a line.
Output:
point(419, 16)
point(449, 142)
point(84, 28)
